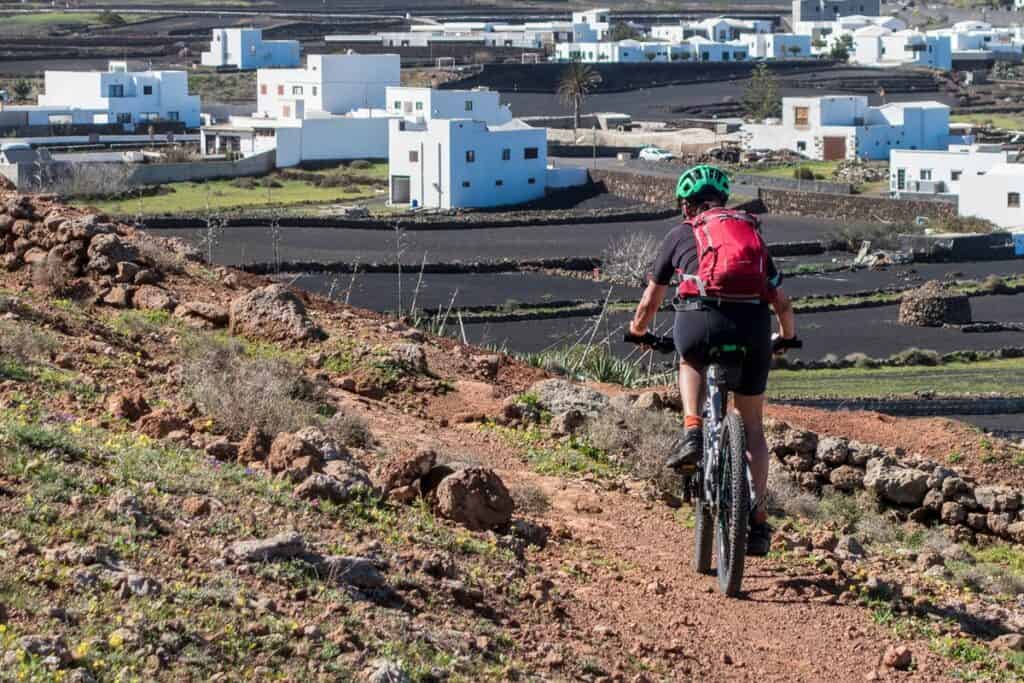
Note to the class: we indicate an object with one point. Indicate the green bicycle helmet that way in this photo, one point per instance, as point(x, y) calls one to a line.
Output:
point(701, 179)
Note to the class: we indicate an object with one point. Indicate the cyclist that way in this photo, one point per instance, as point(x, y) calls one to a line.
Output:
point(728, 282)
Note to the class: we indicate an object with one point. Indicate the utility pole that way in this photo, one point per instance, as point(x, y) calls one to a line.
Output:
point(595, 146)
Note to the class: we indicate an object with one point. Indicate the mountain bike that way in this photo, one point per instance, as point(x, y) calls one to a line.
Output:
point(720, 488)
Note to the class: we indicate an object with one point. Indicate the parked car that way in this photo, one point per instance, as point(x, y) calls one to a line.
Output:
point(656, 154)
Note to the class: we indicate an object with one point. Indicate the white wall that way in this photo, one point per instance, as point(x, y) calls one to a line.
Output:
point(777, 45)
point(988, 196)
point(947, 168)
point(331, 83)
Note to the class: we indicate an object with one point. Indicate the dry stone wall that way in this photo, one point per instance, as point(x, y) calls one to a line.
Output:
point(924, 490)
point(856, 207)
point(931, 305)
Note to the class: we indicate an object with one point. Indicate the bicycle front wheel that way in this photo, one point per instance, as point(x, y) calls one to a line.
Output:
point(733, 506)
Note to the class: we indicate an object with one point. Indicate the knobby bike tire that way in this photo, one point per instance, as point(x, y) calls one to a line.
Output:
point(704, 522)
point(704, 529)
point(734, 513)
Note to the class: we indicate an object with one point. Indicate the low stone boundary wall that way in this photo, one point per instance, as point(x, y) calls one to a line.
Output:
point(994, 247)
point(918, 407)
point(433, 221)
point(857, 208)
point(927, 491)
point(455, 267)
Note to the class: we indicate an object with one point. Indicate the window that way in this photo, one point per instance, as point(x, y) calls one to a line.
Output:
point(419, 106)
point(469, 105)
point(926, 174)
point(280, 90)
point(801, 146)
point(801, 116)
point(470, 156)
point(286, 111)
point(296, 89)
point(955, 175)
point(263, 88)
point(1013, 200)
point(115, 91)
point(530, 153)
point(147, 90)
point(148, 116)
point(499, 183)
point(173, 116)
point(506, 154)
point(531, 181)
point(314, 91)
point(124, 117)
point(414, 156)
point(398, 105)
point(465, 183)
point(407, 107)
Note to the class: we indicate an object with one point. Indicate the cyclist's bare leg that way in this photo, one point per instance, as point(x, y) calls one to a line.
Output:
point(751, 409)
point(691, 388)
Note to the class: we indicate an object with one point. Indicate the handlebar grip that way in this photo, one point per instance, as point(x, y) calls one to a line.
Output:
point(661, 344)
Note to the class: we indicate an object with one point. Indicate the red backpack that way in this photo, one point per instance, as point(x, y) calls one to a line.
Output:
point(733, 259)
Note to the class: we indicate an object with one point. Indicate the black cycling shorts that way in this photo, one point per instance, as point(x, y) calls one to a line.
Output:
point(747, 325)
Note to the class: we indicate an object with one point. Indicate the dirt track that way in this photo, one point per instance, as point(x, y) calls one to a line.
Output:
point(630, 594)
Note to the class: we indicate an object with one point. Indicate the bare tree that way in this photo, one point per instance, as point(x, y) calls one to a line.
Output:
point(627, 260)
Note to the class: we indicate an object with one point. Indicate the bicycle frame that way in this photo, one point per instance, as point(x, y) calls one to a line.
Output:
point(715, 406)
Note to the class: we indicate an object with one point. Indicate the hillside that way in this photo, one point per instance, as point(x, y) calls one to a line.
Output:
point(204, 476)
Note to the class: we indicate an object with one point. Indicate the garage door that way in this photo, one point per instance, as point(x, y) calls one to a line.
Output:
point(834, 149)
point(399, 189)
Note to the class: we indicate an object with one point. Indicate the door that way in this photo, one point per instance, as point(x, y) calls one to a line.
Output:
point(901, 179)
point(399, 189)
point(834, 149)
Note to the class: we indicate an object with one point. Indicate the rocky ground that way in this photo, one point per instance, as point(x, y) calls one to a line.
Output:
point(204, 476)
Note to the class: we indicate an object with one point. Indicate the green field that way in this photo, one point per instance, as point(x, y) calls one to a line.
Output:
point(224, 195)
point(822, 169)
point(1005, 121)
point(999, 376)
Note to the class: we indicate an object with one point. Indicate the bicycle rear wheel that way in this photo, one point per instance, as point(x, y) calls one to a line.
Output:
point(733, 506)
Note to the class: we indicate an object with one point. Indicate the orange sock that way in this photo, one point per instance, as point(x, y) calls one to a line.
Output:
point(693, 422)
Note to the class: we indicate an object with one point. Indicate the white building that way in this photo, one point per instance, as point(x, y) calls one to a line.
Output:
point(425, 103)
point(879, 46)
point(978, 40)
point(718, 29)
point(637, 52)
point(940, 171)
point(336, 84)
point(244, 48)
point(777, 45)
point(131, 98)
point(332, 110)
point(830, 10)
point(598, 20)
point(824, 34)
point(846, 127)
point(995, 196)
point(456, 163)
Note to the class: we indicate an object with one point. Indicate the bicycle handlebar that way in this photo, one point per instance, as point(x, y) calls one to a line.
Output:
point(661, 344)
point(781, 345)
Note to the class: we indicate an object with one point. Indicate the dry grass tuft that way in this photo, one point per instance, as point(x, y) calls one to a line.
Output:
point(239, 391)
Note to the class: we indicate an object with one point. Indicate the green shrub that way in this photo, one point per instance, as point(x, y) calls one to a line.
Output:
point(803, 173)
point(360, 165)
point(245, 183)
point(269, 181)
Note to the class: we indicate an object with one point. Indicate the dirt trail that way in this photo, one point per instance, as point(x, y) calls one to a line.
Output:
point(632, 601)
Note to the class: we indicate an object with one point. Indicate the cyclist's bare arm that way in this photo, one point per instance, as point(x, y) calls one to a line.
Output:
point(650, 302)
point(784, 312)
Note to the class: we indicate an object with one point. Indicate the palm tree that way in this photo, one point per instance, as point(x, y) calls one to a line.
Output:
point(578, 80)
